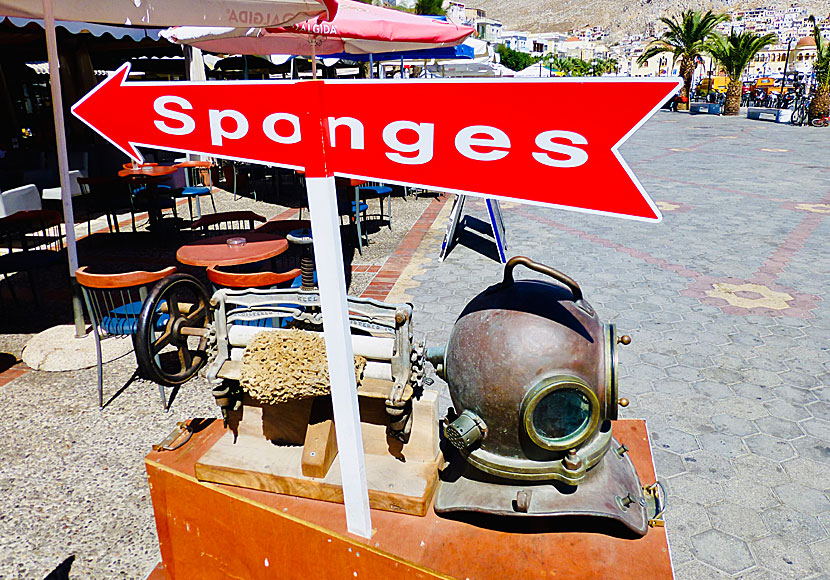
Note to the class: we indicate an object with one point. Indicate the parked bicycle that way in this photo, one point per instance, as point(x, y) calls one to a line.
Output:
point(820, 121)
point(800, 107)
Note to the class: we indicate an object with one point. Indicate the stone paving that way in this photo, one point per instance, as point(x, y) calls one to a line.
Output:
point(726, 301)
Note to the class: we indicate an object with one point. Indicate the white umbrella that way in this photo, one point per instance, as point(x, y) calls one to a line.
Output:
point(242, 13)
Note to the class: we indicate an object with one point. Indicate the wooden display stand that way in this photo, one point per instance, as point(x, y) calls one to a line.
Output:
point(210, 531)
point(401, 477)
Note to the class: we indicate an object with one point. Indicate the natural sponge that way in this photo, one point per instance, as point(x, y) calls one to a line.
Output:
point(287, 365)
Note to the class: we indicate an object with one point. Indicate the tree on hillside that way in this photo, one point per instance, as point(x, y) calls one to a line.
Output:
point(513, 59)
point(733, 54)
point(685, 38)
point(430, 7)
point(820, 105)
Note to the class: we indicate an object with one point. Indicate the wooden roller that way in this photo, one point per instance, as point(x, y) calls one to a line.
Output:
point(371, 347)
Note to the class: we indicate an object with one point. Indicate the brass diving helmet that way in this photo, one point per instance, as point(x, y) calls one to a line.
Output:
point(532, 373)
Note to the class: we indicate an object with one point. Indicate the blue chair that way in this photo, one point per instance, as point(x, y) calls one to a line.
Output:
point(114, 303)
point(376, 190)
point(199, 182)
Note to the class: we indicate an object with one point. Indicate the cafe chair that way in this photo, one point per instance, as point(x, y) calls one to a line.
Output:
point(356, 210)
point(241, 280)
point(282, 227)
point(227, 222)
point(199, 182)
point(105, 195)
point(25, 198)
point(114, 303)
point(54, 193)
point(146, 194)
point(376, 190)
point(30, 241)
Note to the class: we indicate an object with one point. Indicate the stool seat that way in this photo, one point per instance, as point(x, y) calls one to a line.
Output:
point(376, 189)
point(301, 237)
point(190, 191)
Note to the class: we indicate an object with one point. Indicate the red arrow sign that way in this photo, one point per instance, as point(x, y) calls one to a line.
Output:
point(551, 142)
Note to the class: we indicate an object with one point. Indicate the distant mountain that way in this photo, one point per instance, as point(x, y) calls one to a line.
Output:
point(619, 16)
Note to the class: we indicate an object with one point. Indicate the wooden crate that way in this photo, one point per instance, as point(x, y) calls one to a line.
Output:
point(210, 531)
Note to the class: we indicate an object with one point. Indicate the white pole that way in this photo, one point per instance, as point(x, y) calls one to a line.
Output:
point(195, 62)
point(328, 256)
point(63, 161)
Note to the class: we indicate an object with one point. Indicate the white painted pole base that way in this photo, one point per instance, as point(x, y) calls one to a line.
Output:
point(328, 256)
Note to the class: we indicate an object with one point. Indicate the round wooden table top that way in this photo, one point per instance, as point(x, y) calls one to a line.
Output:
point(148, 171)
point(216, 251)
point(194, 163)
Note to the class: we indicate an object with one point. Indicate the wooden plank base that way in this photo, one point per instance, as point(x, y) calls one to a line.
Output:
point(401, 478)
point(259, 464)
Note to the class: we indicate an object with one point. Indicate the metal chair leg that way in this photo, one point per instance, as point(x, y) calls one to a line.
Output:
point(100, 368)
point(388, 209)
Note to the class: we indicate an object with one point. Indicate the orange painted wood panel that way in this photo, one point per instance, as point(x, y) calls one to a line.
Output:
point(214, 531)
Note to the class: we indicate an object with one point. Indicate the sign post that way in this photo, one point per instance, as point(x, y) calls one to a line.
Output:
point(496, 225)
point(329, 128)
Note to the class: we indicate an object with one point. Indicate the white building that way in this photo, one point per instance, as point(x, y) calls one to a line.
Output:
point(516, 40)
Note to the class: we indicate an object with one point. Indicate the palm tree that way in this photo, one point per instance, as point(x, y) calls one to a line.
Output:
point(733, 54)
point(684, 39)
point(820, 105)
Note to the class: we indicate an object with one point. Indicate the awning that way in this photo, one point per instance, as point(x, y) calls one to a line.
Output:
point(118, 32)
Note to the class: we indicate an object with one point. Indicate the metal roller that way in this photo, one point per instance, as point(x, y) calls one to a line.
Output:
point(371, 347)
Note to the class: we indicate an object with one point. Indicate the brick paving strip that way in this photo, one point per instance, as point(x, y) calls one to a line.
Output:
point(402, 265)
point(17, 370)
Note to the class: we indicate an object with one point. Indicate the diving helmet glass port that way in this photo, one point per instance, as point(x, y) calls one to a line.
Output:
point(559, 413)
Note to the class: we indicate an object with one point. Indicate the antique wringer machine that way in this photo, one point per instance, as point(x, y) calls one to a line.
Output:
point(531, 371)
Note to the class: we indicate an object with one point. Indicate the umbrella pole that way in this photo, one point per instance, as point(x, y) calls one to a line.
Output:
point(371, 66)
point(313, 59)
point(63, 164)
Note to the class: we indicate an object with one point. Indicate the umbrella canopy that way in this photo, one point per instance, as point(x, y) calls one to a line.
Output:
point(356, 29)
point(177, 12)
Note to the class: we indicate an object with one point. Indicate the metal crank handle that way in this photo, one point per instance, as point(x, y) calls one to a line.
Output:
point(576, 291)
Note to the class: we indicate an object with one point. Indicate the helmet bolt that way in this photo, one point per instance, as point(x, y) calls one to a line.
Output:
point(572, 461)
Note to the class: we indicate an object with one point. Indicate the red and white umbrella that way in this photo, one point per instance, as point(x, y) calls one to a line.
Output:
point(356, 29)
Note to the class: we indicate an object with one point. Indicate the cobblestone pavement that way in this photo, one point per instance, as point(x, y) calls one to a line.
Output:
point(726, 301)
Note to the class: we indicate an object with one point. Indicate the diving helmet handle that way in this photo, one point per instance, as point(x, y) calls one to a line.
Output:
point(576, 291)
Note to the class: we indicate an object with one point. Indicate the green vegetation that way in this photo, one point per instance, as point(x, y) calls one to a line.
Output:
point(576, 67)
point(685, 39)
point(429, 7)
point(820, 105)
point(513, 59)
point(733, 54)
